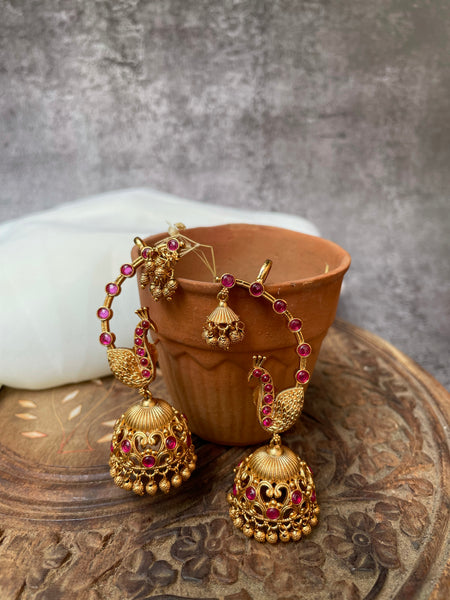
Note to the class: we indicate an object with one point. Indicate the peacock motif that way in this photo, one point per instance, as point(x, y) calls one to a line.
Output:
point(136, 367)
point(276, 412)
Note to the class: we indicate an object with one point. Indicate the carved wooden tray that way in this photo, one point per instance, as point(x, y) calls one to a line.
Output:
point(374, 430)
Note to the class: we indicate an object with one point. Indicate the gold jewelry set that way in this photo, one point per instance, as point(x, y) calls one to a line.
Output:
point(273, 496)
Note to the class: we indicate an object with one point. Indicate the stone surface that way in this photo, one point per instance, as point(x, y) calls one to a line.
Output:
point(336, 112)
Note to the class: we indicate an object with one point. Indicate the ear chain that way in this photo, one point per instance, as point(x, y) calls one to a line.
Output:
point(273, 495)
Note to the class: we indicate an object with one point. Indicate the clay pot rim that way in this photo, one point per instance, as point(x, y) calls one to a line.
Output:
point(210, 288)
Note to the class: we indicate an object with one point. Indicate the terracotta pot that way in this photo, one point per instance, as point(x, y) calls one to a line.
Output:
point(210, 385)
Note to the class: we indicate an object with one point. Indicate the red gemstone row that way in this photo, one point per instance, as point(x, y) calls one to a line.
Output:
point(279, 306)
point(140, 351)
point(104, 313)
point(148, 461)
point(266, 410)
point(272, 512)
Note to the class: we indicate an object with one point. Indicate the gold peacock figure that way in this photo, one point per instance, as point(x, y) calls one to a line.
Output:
point(136, 367)
point(276, 413)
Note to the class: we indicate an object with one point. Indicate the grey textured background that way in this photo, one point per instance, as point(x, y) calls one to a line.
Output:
point(336, 110)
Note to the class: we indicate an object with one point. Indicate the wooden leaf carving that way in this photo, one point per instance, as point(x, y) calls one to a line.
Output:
point(27, 403)
point(387, 510)
point(415, 519)
point(70, 396)
point(421, 487)
point(74, 412)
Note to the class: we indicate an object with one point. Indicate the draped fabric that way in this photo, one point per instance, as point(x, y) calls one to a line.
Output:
point(54, 266)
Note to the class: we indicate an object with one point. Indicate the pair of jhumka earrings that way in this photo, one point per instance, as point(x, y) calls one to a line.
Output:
point(273, 495)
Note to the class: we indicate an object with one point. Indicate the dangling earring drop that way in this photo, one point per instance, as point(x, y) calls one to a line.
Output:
point(159, 261)
point(223, 327)
point(151, 445)
point(273, 496)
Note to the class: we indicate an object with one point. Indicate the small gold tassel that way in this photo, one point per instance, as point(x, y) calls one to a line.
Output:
point(223, 327)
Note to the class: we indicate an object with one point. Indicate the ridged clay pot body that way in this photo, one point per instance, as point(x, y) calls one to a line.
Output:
point(210, 385)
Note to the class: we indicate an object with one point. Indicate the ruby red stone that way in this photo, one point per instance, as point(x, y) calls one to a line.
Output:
point(234, 490)
point(267, 422)
point(103, 313)
point(146, 373)
point(296, 497)
point(139, 331)
point(144, 362)
point(268, 398)
point(272, 513)
point(145, 252)
point(188, 440)
point(279, 306)
point(148, 461)
point(173, 245)
point(295, 325)
point(250, 492)
point(268, 387)
point(302, 376)
point(126, 270)
point(304, 350)
point(138, 341)
point(313, 496)
point(256, 289)
point(111, 447)
point(105, 338)
point(145, 324)
point(257, 373)
point(171, 442)
point(228, 280)
point(112, 289)
point(266, 410)
point(265, 378)
point(140, 352)
point(126, 446)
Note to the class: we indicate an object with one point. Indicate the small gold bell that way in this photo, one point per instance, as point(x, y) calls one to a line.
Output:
point(223, 327)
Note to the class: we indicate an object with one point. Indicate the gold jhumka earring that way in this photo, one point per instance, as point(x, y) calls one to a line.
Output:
point(151, 445)
point(273, 496)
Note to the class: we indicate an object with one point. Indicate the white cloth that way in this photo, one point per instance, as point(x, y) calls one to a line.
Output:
point(54, 266)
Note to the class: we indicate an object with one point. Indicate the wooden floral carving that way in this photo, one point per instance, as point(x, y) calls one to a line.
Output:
point(373, 431)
